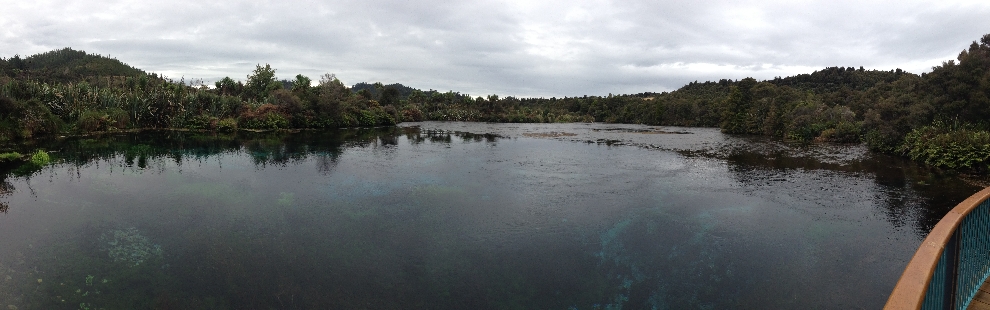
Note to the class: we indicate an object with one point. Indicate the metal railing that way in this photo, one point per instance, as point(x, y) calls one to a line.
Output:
point(952, 263)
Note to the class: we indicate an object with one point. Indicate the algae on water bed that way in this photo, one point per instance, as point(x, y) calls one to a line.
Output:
point(286, 199)
point(129, 246)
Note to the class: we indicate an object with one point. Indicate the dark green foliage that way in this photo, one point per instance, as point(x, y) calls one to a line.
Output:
point(955, 146)
point(301, 84)
point(229, 87)
point(261, 83)
point(738, 107)
point(21, 119)
point(399, 91)
point(265, 116)
point(836, 104)
point(843, 132)
point(40, 158)
point(838, 79)
point(11, 156)
point(204, 122)
point(962, 90)
point(896, 109)
point(816, 121)
point(106, 102)
point(227, 125)
point(68, 65)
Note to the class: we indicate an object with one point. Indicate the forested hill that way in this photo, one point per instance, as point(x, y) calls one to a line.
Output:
point(833, 79)
point(66, 65)
point(376, 89)
point(939, 117)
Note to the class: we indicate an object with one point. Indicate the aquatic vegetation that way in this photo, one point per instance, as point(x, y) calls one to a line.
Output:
point(286, 199)
point(11, 156)
point(40, 158)
point(436, 190)
point(695, 259)
point(217, 192)
point(129, 246)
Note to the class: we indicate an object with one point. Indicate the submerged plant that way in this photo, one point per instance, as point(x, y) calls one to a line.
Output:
point(286, 199)
point(129, 246)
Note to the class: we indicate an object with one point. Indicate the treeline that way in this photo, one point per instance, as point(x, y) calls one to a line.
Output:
point(938, 117)
point(68, 91)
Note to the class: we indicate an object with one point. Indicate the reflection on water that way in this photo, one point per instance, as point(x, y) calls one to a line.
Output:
point(461, 215)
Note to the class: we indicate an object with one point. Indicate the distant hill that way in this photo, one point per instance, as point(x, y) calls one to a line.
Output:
point(403, 91)
point(66, 65)
point(833, 79)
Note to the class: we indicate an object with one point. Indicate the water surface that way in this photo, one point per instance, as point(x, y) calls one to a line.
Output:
point(462, 216)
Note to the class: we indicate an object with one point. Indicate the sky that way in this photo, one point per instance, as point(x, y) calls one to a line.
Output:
point(510, 48)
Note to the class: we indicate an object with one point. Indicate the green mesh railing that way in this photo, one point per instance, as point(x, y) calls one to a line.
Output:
point(964, 264)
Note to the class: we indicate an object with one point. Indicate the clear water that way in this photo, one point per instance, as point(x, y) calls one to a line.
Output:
point(462, 216)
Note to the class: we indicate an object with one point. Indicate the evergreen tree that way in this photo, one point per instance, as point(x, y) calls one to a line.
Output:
point(737, 107)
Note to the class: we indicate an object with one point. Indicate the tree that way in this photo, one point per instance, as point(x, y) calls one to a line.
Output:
point(302, 83)
point(962, 89)
point(737, 107)
point(16, 63)
point(262, 82)
point(228, 86)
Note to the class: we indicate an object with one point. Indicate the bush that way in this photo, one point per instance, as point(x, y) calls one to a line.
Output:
point(368, 118)
point(844, 132)
point(118, 118)
point(24, 119)
point(8, 157)
point(879, 141)
point(92, 121)
point(227, 125)
point(202, 121)
point(265, 117)
point(96, 120)
point(943, 146)
point(40, 158)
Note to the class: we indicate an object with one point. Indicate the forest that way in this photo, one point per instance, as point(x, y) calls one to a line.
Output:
point(938, 118)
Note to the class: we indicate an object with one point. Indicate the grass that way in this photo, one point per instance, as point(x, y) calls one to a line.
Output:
point(9, 157)
point(40, 158)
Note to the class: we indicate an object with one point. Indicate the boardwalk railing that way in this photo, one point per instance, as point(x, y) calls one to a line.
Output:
point(952, 263)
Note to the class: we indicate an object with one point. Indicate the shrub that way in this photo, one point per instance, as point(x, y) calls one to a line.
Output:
point(118, 118)
point(40, 158)
point(943, 146)
point(265, 116)
point(202, 121)
point(880, 141)
point(844, 132)
point(227, 125)
point(367, 118)
point(96, 120)
point(11, 156)
point(92, 121)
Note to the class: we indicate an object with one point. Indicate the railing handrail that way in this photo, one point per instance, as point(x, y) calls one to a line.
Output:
point(910, 291)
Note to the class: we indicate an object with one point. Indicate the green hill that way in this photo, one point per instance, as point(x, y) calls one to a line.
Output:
point(66, 65)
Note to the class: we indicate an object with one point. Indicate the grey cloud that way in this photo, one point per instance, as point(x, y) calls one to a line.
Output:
point(521, 48)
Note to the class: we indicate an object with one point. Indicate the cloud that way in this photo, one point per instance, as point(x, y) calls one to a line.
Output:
point(520, 48)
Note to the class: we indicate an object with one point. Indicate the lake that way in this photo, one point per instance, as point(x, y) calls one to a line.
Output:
point(441, 215)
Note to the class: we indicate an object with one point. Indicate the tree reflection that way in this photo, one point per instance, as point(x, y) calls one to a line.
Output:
point(907, 193)
point(5, 190)
point(156, 149)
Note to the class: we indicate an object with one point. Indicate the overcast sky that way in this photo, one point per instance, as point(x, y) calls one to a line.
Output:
point(518, 48)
